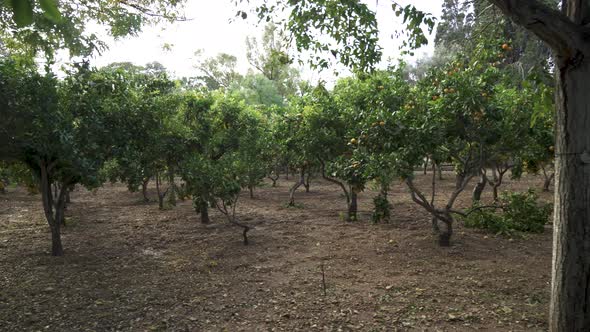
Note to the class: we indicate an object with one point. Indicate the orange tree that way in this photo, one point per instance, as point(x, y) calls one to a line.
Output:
point(328, 138)
point(143, 135)
point(220, 141)
point(452, 119)
point(371, 102)
point(62, 130)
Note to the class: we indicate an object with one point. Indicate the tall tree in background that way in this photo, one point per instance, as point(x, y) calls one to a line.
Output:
point(218, 71)
point(271, 59)
point(456, 23)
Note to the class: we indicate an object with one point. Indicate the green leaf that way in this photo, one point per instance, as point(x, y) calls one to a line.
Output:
point(50, 9)
point(22, 12)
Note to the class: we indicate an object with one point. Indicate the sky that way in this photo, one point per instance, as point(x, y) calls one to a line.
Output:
point(209, 28)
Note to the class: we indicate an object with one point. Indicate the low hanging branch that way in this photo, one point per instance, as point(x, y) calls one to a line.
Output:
point(332, 180)
point(478, 208)
point(230, 214)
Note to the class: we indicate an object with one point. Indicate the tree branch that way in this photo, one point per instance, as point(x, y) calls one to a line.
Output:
point(563, 35)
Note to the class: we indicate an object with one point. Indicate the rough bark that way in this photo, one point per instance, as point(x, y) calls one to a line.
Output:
point(570, 304)
point(567, 34)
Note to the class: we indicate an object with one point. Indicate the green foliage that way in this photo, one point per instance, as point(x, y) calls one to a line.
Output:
point(415, 21)
point(49, 25)
point(520, 212)
point(381, 208)
point(256, 90)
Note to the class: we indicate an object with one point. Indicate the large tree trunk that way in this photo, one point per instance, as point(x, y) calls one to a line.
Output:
point(570, 304)
point(567, 34)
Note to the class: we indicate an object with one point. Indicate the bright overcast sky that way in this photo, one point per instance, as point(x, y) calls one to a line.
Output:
point(209, 29)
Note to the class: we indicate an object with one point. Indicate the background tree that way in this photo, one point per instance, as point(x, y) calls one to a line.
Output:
point(271, 59)
point(218, 71)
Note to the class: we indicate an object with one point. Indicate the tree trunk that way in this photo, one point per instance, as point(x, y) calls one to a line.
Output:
point(251, 191)
point(435, 227)
point(567, 34)
point(444, 237)
point(274, 176)
point(547, 182)
point(352, 206)
point(479, 187)
point(295, 186)
point(159, 192)
point(439, 170)
point(54, 213)
point(171, 187)
point(547, 178)
point(144, 188)
point(426, 165)
point(570, 303)
point(306, 182)
point(56, 246)
point(204, 210)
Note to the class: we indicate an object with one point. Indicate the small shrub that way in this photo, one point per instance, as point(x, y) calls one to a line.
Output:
point(515, 212)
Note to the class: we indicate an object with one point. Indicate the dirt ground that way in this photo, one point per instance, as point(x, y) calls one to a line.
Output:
point(131, 267)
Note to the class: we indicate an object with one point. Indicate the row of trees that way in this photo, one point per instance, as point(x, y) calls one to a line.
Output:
point(134, 125)
point(559, 25)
